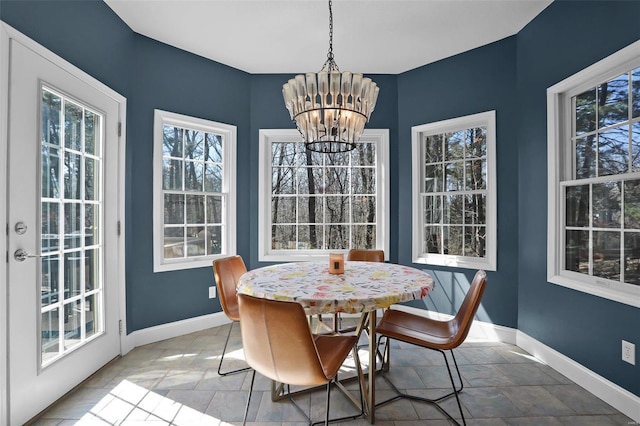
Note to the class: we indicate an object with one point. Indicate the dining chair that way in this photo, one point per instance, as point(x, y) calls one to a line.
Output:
point(358, 255)
point(227, 271)
point(365, 255)
point(278, 344)
point(434, 334)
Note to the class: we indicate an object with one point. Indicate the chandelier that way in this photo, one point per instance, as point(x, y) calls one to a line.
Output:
point(330, 107)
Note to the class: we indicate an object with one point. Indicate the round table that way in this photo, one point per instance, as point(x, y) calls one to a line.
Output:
point(363, 288)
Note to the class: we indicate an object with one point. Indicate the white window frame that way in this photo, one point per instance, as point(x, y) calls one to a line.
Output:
point(559, 163)
point(228, 132)
point(269, 136)
point(489, 262)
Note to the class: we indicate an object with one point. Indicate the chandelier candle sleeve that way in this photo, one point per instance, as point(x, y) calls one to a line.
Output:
point(330, 108)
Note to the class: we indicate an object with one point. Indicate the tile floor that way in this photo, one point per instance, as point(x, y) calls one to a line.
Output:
point(175, 382)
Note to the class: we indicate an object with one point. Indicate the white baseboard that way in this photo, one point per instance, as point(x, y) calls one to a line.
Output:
point(614, 395)
point(174, 329)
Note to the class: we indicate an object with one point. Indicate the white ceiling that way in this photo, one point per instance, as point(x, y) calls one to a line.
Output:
point(292, 36)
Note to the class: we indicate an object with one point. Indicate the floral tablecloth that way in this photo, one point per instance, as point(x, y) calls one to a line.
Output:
point(364, 286)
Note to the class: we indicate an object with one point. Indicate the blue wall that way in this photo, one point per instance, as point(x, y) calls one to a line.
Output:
point(170, 79)
point(509, 76)
point(565, 38)
point(479, 80)
point(150, 75)
point(87, 34)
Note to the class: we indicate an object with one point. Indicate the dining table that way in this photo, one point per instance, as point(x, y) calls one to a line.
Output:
point(363, 288)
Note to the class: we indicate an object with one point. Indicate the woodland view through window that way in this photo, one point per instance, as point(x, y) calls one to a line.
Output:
point(195, 209)
point(603, 200)
point(595, 194)
point(454, 192)
point(313, 202)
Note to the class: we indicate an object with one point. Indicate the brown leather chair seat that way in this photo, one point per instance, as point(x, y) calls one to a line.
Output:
point(278, 344)
point(435, 335)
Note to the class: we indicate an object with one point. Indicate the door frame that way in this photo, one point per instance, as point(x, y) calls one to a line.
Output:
point(6, 34)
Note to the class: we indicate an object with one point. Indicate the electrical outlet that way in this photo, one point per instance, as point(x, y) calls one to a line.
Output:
point(629, 352)
point(212, 292)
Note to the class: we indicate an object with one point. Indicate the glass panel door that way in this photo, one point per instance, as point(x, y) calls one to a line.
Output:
point(71, 238)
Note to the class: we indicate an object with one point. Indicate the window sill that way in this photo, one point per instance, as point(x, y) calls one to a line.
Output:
point(599, 287)
point(457, 262)
point(182, 264)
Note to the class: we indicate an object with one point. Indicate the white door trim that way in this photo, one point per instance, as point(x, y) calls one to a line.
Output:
point(6, 34)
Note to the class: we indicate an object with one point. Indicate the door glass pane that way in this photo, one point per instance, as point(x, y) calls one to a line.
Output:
point(91, 176)
point(71, 231)
point(91, 224)
point(72, 176)
point(72, 324)
point(51, 105)
point(72, 274)
point(91, 132)
point(49, 290)
point(92, 270)
point(50, 232)
point(50, 171)
point(91, 324)
point(50, 340)
point(72, 126)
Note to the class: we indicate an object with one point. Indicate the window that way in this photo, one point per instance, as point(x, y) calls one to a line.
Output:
point(594, 179)
point(194, 191)
point(454, 192)
point(312, 203)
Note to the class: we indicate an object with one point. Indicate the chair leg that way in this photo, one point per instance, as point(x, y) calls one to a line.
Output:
point(326, 418)
point(453, 386)
point(246, 410)
point(433, 401)
point(224, 350)
point(458, 371)
point(360, 377)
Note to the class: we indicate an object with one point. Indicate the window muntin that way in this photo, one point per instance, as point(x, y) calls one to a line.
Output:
point(312, 203)
point(454, 193)
point(602, 220)
point(72, 240)
point(594, 183)
point(194, 191)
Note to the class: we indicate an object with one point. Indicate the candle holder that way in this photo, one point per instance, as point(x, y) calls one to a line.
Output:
point(336, 263)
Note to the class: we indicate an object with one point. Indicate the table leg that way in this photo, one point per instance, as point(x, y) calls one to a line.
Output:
point(371, 389)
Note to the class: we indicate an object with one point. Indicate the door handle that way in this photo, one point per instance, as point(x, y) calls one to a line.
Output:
point(21, 255)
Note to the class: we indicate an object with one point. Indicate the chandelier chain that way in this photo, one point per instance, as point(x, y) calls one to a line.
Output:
point(330, 64)
point(330, 108)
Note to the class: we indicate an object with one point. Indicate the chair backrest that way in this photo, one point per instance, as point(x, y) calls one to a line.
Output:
point(227, 272)
point(363, 255)
point(278, 343)
point(464, 317)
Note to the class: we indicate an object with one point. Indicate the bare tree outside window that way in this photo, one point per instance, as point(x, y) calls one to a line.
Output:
point(195, 206)
point(601, 228)
point(453, 161)
point(321, 202)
